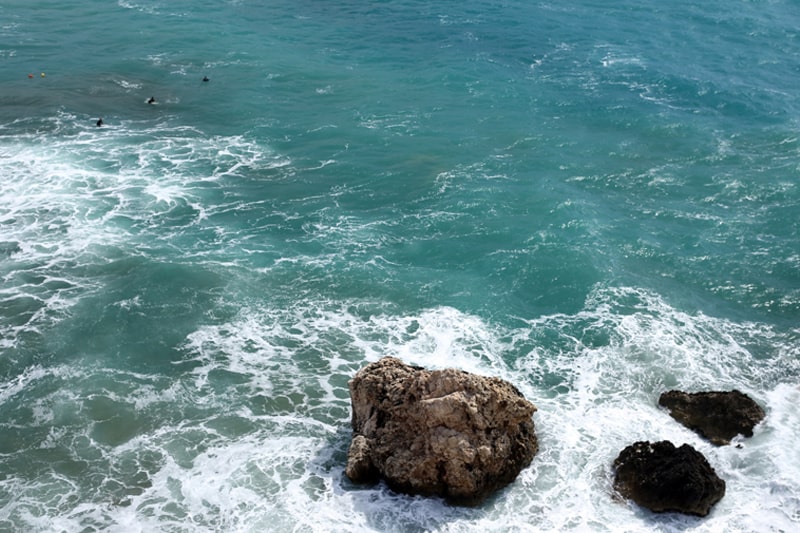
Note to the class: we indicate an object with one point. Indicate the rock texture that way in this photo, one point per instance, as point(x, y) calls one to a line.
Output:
point(664, 478)
point(717, 416)
point(446, 432)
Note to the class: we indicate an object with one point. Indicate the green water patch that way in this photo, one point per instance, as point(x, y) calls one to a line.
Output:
point(143, 312)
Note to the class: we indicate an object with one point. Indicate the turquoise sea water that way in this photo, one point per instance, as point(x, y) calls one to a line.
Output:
point(596, 202)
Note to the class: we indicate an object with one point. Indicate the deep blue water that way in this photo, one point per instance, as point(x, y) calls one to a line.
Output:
point(595, 202)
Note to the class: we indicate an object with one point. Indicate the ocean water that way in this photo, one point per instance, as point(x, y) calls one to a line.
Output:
point(597, 202)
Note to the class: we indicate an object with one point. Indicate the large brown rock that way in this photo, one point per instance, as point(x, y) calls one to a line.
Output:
point(447, 432)
point(717, 416)
point(664, 478)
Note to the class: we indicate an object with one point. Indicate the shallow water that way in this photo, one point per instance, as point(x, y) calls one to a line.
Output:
point(596, 203)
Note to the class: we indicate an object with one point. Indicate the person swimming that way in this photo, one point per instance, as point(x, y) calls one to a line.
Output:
point(151, 100)
point(100, 121)
point(205, 78)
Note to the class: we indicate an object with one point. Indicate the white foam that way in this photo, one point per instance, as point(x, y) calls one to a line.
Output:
point(126, 84)
point(151, 8)
point(605, 398)
point(263, 444)
point(11, 388)
point(84, 194)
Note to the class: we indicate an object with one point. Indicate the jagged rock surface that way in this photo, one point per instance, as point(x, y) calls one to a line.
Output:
point(717, 416)
point(664, 478)
point(447, 432)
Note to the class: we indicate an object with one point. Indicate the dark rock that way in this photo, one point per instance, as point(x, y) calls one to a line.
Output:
point(717, 416)
point(664, 478)
point(359, 465)
point(446, 433)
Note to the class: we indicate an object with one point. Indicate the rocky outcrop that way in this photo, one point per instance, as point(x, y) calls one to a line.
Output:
point(447, 432)
point(717, 416)
point(664, 478)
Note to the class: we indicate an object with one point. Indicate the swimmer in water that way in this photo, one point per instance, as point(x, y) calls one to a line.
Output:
point(152, 100)
point(205, 78)
point(100, 121)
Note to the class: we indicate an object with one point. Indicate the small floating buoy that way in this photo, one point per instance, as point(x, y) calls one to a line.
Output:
point(42, 74)
point(30, 75)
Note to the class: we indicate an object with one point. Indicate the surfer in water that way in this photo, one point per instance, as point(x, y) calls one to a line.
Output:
point(205, 78)
point(151, 100)
point(99, 121)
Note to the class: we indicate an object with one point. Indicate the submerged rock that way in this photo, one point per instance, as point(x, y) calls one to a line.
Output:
point(447, 432)
point(9, 248)
point(717, 416)
point(664, 478)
